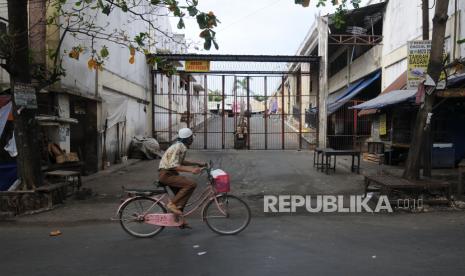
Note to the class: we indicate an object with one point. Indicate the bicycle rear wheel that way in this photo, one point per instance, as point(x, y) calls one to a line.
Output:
point(230, 216)
point(132, 217)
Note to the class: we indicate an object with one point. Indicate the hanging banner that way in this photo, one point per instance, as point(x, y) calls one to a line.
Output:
point(417, 64)
point(382, 124)
point(197, 66)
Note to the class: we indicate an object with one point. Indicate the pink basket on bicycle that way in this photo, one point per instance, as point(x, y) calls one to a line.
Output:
point(221, 179)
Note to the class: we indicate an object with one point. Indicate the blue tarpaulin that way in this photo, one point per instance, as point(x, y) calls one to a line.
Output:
point(8, 175)
point(338, 99)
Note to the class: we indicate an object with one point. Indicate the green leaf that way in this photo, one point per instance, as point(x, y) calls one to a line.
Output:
point(192, 10)
point(104, 52)
point(202, 20)
point(155, 2)
point(215, 44)
point(106, 10)
point(461, 41)
point(208, 44)
point(78, 3)
point(181, 24)
point(124, 7)
point(321, 3)
point(177, 12)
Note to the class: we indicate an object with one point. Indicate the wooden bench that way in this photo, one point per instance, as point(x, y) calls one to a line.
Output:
point(386, 184)
point(70, 178)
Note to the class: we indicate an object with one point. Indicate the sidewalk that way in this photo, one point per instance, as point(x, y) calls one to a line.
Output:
point(100, 206)
point(253, 174)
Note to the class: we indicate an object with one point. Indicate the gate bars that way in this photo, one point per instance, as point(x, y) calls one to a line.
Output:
point(271, 106)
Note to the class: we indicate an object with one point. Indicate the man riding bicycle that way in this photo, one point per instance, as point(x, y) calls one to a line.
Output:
point(172, 163)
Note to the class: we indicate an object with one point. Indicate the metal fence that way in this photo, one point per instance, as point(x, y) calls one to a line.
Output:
point(267, 110)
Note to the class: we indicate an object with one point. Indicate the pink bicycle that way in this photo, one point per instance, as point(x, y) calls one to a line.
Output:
point(144, 214)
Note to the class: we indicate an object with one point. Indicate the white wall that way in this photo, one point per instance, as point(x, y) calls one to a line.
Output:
point(80, 78)
point(403, 22)
point(121, 77)
point(362, 66)
point(4, 76)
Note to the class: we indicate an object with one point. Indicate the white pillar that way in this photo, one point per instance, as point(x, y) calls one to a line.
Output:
point(323, 83)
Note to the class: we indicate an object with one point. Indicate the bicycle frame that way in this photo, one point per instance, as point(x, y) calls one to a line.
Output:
point(169, 219)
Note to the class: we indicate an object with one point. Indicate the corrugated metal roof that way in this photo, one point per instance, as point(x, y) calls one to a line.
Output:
point(393, 97)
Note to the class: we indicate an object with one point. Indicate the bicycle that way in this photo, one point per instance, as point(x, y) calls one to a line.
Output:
point(144, 214)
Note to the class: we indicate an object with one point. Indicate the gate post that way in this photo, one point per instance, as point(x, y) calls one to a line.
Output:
point(222, 112)
point(249, 112)
point(188, 101)
point(266, 114)
point(299, 79)
point(154, 88)
point(205, 113)
point(282, 114)
point(170, 108)
point(234, 106)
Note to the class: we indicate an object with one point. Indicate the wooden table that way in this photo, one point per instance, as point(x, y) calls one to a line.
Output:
point(328, 153)
point(316, 157)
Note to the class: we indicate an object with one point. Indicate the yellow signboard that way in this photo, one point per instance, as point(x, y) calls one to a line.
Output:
point(197, 66)
point(417, 63)
point(382, 124)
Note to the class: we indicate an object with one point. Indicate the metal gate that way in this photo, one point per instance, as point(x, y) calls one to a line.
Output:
point(243, 102)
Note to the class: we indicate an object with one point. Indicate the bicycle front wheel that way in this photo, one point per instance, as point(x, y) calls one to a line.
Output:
point(230, 216)
point(132, 217)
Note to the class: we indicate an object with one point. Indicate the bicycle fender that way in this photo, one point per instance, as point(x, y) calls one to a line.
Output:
point(211, 198)
point(124, 202)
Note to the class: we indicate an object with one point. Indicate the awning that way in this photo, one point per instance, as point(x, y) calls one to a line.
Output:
point(456, 81)
point(386, 99)
point(338, 99)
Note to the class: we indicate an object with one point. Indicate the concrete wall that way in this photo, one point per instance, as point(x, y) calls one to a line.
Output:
point(362, 66)
point(4, 76)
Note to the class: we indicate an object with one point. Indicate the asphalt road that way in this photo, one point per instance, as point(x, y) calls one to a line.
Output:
point(400, 244)
point(257, 134)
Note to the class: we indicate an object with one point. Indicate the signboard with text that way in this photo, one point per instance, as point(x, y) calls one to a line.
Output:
point(25, 95)
point(382, 124)
point(197, 66)
point(417, 63)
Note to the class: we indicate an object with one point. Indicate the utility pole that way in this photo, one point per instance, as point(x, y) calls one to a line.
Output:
point(428, 138)
point(25, 124)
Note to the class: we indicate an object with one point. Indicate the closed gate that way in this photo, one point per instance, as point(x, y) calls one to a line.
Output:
point(242, 102)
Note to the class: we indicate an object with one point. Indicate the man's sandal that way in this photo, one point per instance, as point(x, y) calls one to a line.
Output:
point(185, 225)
